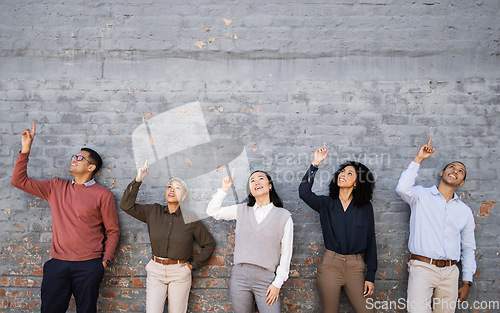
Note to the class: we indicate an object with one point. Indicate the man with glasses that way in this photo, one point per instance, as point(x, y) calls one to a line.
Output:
point(441, 234)
point(85, 229)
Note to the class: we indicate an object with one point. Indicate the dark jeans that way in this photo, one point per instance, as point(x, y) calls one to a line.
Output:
point(63, 278)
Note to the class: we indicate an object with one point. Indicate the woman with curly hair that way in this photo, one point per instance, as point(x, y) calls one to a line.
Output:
point(348, 226)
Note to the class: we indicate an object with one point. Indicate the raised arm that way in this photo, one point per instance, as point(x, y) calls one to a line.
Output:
point(405, 187)
point(20, 179)
point(128, 204)
point(214, 208)
point(305, 187)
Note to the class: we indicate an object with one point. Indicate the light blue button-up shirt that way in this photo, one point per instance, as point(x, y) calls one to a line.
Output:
point(438, 229)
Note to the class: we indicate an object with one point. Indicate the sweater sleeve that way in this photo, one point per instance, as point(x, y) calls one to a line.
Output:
point(111, 226)
point(20, 179)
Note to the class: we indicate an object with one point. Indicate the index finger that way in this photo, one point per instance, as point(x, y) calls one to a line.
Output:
point(146, 163)
point(232, 174)
point(324, 144)
point(34, 127)
point(430, 139)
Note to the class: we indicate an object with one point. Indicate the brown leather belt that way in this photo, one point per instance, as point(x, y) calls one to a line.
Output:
point(167, 261)
point(438, 263)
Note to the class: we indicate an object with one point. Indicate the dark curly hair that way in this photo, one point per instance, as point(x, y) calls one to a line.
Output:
point(273, 196)
point(365, 183)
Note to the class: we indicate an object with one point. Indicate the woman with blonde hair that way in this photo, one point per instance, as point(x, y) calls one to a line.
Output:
point(169, 270)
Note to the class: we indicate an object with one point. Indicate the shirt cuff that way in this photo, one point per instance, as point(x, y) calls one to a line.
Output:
point(370, 276)
point(278, 282)
point(414, 164)
point(221, 192)
point(195, 265)
point(467, 276)
point(312, 170)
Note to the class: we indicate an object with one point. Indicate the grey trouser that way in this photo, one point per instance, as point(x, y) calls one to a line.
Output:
point(248, 282)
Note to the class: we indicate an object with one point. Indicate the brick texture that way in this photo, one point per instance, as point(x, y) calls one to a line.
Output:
point(374, 79)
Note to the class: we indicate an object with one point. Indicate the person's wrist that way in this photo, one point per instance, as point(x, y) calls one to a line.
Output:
point(418, 160)
point(315, 164)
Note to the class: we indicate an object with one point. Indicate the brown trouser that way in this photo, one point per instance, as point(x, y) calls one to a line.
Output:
point(336, 271)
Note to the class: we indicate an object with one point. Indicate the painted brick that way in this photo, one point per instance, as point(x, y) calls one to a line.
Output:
point(374, 79)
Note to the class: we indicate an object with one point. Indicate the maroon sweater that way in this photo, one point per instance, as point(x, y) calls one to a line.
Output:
point(81, 216)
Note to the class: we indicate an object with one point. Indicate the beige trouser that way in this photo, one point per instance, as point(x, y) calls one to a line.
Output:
point(172, 281)
point(336, 271)
point(432, 288)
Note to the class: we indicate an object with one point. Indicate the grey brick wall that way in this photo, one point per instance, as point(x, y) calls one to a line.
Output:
point(374, 79)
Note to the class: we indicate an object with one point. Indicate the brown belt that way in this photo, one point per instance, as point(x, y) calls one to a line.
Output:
point(438, 263)
point(167, 261)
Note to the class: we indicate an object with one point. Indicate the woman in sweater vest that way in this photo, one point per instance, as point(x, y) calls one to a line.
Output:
point(263, 244)
point(348, 226)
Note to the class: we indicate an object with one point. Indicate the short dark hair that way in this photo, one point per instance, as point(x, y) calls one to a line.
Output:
point(95, 158)
point(273, 195)
point(365, 183)
point(465, 174)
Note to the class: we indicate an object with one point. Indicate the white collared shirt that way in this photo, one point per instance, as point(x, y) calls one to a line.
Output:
point(227, 213)
point(87, 184)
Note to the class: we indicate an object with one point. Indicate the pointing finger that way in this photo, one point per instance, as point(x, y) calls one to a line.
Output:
point(146, 163)
point(324, 144)
point(430, 139)
point(232, 174)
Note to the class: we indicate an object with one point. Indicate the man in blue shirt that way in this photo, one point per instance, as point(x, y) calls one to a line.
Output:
point(441, 234)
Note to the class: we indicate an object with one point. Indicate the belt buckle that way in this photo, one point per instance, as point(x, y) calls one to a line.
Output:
point(440, 263)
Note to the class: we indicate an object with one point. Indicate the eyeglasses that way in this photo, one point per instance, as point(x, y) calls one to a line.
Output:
point(79, 158)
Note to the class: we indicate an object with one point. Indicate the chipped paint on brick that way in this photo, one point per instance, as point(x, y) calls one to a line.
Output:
point(486, 206)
